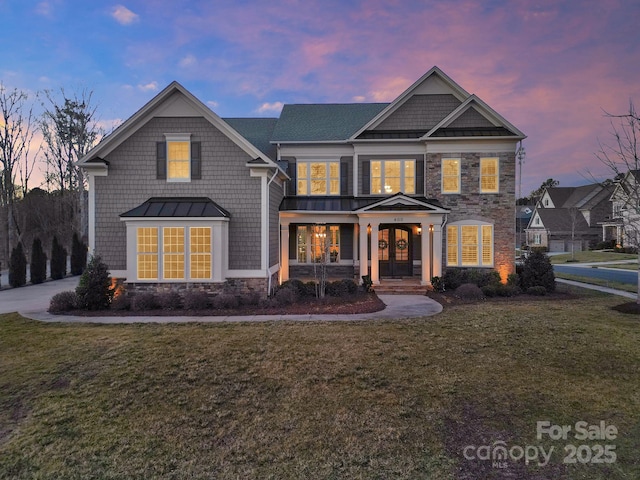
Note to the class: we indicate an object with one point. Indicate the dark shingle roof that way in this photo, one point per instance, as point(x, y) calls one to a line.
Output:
point(257, 131)
point(559, 220)
point(345, 204)
point(178, 207)
point(473, 132)
point(323, 122)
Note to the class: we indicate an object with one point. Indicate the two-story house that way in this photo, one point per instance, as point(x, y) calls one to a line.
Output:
point(623, 226)
point(181, 198)
point(567, 218)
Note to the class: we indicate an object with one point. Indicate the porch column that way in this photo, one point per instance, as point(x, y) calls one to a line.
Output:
point(375, 277)
point(284, 252)
point(362, 253)
point(426, 254)
point(437, 250)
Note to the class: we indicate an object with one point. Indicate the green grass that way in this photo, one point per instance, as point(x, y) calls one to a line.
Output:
point(394, 399)
point(593, 256)
point(625, 287)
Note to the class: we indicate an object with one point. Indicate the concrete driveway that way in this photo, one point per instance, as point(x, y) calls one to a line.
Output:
point(34, 298)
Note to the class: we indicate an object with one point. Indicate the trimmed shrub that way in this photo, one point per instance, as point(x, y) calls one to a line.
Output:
point(144, 301)
point(58, 260)
point(538, 271)
point(341, 288)
point(507, 290)
point(538, 290)
point(17, 267)
point(196, 300)
point(469, 291)
point(490, 290)
point(120, 302)
point(94, 289)
point(38, 266)
point(438, 284)
point(225, 301)
point(170, 300)
point(513, 280)
point(63, 302)
point(454, 277)
point(78, 255)
point(285, 296)
point(251, 299)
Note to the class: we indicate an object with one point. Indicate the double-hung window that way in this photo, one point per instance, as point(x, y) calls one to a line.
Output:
point(178, 157)
point(393, 176)
point(489, 182)
point(318, 178)
point(470, 245)
point(450, 175)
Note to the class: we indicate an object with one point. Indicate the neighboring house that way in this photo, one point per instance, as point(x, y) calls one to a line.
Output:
point(569, 214)
point(624, 222)
point(181, 198)
point(523, 216)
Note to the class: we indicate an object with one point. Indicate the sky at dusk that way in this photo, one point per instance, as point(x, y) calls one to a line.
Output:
point(552, 68)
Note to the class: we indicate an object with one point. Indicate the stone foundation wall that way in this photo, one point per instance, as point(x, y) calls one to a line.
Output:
point(236, 286)
point(333, 271)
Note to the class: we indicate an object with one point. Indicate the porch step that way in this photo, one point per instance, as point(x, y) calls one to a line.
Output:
point(400, 287)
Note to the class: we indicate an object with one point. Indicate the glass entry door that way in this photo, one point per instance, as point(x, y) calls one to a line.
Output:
point(395, 251)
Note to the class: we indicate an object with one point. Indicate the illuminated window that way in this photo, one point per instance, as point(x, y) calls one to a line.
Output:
point(470, 245)
point(325, 247)
point(200, 252)
point(147, 253)
point(489, 175)
point(318, 178)
point(178, 160)
point(450, 175)
point(173, 253)
point(302, 244)
point(393, 176)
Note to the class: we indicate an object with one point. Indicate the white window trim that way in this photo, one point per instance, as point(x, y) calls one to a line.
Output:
point(402, 161)
point(479, 224)
point(178, 137)
point(497, 190)
point(219, 247)
point(328, 178)
point(309, 245)
point(442, 176)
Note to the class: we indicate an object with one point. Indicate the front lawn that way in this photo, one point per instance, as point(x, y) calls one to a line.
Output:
point(374, 399)
point(589, 256)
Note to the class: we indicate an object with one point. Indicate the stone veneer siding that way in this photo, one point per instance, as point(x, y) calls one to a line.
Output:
point(225, 180)
point(233, 285)
point(470, 204)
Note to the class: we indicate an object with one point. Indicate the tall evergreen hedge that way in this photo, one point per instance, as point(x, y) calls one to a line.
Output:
point(17, 267)
point(38, 267)
point(78, 256)
point(58, 260)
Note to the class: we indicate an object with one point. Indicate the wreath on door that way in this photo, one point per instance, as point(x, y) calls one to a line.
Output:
point(402, 244)
point(382, 244)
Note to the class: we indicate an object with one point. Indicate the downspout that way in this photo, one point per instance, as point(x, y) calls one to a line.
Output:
point(266, 246)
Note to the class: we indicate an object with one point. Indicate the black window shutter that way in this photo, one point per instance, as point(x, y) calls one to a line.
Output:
point(420, 177)
point(366, 180)
point(346, 242)
point(196, 161)
point(291, 171)
point(344, 178)
point(161, 160)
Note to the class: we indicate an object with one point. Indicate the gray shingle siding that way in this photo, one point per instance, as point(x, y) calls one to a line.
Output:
point(420, 112)
point(275, 197)
point(470, 118)
point(225, 180)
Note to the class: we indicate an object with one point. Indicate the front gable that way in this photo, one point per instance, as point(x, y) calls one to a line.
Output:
point(401, 202)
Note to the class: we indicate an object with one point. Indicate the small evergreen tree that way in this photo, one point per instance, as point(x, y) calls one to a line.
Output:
point(17, 267)
point(38, 267)
point(78, 256)
point(94, 291)
point(537, 271)
point(58, 260)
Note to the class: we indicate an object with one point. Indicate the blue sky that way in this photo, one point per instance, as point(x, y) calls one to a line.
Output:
point(550, 67)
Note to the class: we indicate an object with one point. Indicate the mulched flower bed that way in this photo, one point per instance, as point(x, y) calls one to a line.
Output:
point(362, 303)
point(632, 308)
